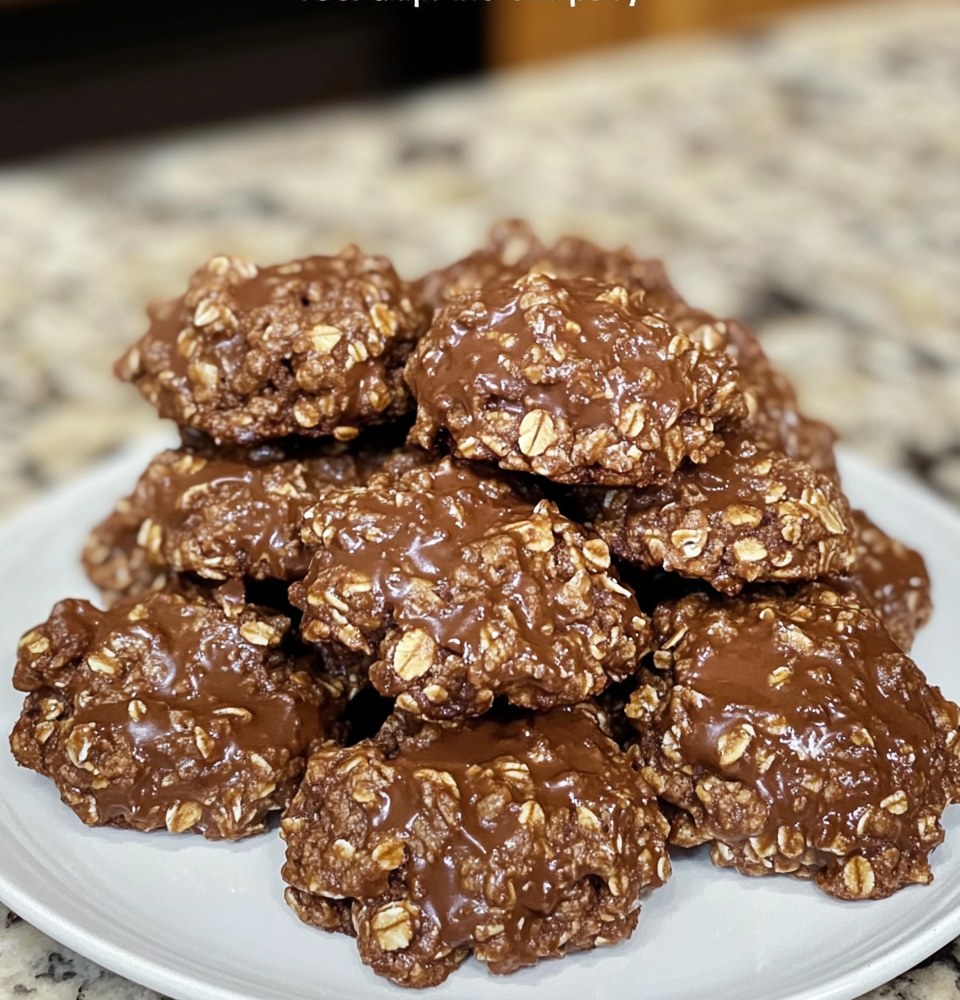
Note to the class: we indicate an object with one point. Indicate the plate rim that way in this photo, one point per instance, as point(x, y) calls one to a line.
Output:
point(166, 979)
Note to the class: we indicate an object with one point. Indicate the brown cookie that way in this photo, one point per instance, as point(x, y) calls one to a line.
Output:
point(792, 734)
point(314, 347)
point(456, 591)
point(513, 250)
point(175, 713)
point(220, 518)
point(514, 840)
point(892, 579)
point(575, 380)
point(209, 516)
point(119, 566)
point(747, 515)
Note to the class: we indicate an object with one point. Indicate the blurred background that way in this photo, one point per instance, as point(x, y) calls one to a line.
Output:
point(77, 71)
point(795, 163)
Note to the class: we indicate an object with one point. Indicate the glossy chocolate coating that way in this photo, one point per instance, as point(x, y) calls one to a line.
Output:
point(169, 712)
point(576, 380)
point(459, 590)
point(748, 515)
point(794, 734)
point(892, 578)
point(314, 347)
point(515, 839)
point(226, 518)
point(219, 514)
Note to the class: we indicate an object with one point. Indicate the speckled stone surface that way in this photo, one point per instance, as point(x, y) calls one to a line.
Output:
point(804, 178)
point(31, 965)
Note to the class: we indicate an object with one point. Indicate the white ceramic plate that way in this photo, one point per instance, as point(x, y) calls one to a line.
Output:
point(201, 921)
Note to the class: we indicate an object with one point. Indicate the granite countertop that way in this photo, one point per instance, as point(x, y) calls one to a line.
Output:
point(803, 178)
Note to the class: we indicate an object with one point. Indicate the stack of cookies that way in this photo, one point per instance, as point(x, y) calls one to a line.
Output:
point(603, 595)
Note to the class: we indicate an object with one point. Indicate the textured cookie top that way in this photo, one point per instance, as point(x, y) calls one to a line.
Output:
point(644, 278)
point(224, 517)
point(573, 379)
point(313, 347)
point(513, 250)
point(795, 732)
point(892, 578)
point(120, 567)
point(459, 590)
point(168, 712)
point(747, 515)
point(515, 839)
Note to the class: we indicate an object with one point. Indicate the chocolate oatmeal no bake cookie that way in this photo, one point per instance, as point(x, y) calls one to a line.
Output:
point(793, 735)
point(459, 591)
point(313, 347)
point(576, 380)
point(610, 516)
point(747, 515)
point(219, 518)
point(168, 712)
point(515, 840)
